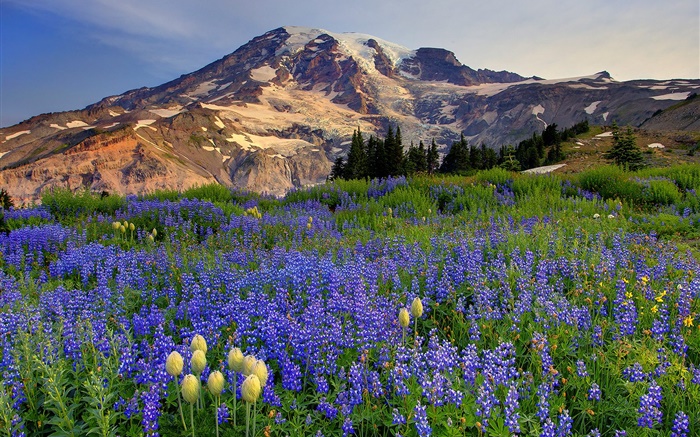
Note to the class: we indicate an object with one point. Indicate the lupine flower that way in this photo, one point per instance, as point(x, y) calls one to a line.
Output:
point(650, 407)
point(681, 425)
point(594, 392)
point(347, 427)
point(420, 420)
point(222, 414)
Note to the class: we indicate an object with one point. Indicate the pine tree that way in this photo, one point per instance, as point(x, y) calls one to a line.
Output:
point(457, 158)
point(393, 150)
point(377, 164)
point(624, 151)
point(433, 158)
point(357, 160)
point(338, 169)
point(475, 158)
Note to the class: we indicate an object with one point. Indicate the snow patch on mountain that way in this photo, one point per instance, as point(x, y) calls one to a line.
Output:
point(590, 109)
point(263, 74)
point(76, 123)
point(16, 134)
point(167, 112)
point(145, 123)
point(352, 44)
point(672, 96)
point(537, 111)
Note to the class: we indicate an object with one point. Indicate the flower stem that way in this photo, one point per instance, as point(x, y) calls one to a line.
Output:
point(216, 414)
point(247, 419)
point(192, 418)
point(235, 389)
point(179, 403)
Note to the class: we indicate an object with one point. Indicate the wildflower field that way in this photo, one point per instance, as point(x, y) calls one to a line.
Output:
point(498, 304)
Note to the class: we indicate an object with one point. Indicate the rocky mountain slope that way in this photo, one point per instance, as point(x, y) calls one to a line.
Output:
point(275, 113)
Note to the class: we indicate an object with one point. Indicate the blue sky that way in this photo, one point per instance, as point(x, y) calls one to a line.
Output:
point(58, 55)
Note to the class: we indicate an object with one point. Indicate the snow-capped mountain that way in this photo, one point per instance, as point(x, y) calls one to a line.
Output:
point(275, 113)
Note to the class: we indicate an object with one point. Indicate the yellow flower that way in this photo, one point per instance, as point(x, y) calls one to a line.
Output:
point(625, 280)
point(688, 321)
point(235, 359)
point(645, 279)
point(416, 308)
point(628, 295)
point(174, 364)
point(660, 297)
point(403, 317)
point(654, 309)
point(216, 382)
point(250, 389)
point(190, 388)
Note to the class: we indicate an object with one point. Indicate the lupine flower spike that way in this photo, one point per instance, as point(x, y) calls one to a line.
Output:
point(190, 391)
point(174, 365)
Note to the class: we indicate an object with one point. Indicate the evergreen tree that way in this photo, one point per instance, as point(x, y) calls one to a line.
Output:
point(378, 159)
point(416, 160)
point(357, 160)
point(475, 158)
point(550, 136)
point(422, 158)
point(507, 159)
point(433, 158)
point(338, 169)
point(393, 150)
point(488, 157)
point(624, 151)
point(457, 158)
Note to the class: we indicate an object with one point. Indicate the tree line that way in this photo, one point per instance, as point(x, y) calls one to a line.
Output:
point(380, 158)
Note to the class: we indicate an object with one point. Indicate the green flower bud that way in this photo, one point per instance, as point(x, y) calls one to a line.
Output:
point(122, 229)
point(198, 362)
point(250, 389)
point(174, 364)
point(260, 370)
point(215, 382)
point(403, 317)
point(248, 363)
point(116, 225)
point(416, 308)
point(235, 360)
point(151, 239)
point(131, 226)
point(154, 233)
point(125, 224)
point(190, 388)
point(198, 343)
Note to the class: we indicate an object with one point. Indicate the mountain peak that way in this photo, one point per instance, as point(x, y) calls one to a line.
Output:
point(276, 113)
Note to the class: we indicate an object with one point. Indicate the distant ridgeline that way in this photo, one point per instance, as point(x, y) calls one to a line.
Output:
point(379, 158)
